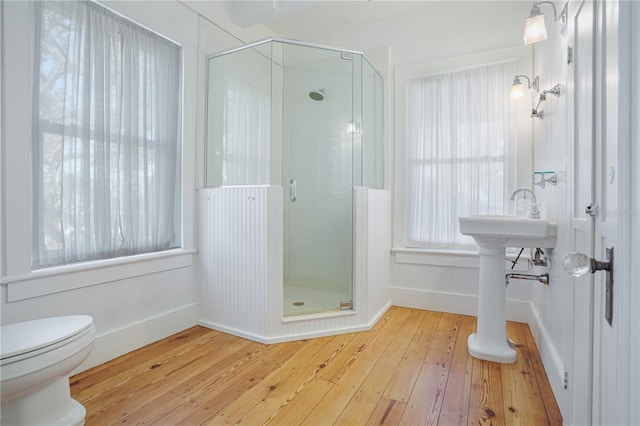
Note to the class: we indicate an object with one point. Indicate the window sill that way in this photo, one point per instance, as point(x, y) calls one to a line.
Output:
point(450, 258)
point(434, 257)
point(70, 277)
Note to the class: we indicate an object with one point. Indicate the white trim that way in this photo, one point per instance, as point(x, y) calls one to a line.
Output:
point(320, 315)
point(628, 249)
point(92, 265)
point(630, 146)
point(551, 359)
point(114, 343)
point(3, 180)
point(459, 68)
point(454, 303)
point(297, 336)
point(461, 259)
point(407, 250)
point(452, 258)
point(136, 22)
point(71, 277)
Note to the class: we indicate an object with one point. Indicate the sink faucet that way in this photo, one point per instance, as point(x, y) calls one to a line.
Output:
point(535, 212)
point(517, 191)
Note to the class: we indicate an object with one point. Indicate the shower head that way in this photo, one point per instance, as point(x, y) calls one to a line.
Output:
point(317, 95)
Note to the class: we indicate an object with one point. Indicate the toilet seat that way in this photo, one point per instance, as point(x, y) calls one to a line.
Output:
point(31, 338)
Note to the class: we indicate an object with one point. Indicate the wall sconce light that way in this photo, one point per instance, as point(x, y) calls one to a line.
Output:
point(555, 90)
point(535, 29)
point(517, 92)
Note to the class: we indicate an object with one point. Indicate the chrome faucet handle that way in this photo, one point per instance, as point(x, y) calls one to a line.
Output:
point(535, 212)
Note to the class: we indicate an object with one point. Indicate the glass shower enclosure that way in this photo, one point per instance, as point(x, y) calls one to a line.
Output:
point(307, 118)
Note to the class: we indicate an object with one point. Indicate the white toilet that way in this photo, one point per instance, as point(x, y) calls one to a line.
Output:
point(37, 358)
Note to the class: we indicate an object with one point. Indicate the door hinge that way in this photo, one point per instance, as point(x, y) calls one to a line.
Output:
point(566, 380)
point(346, 305)
point(592, 210)
point(569, 55)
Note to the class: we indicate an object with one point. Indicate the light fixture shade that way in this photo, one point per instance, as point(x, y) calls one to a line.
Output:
point(534, 29)
point(517, 92)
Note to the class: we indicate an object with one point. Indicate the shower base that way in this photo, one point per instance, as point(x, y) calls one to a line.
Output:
point(303, 300)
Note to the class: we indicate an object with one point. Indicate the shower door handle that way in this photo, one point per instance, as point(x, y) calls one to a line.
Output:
point(292, 190)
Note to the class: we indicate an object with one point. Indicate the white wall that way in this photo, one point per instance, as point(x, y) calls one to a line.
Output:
point(553, 323)
point(134, 303)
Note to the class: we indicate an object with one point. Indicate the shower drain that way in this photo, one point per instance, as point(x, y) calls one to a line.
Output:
point(298, 303)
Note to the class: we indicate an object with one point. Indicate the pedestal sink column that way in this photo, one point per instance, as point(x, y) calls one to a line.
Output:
point(492, 235)
point(490, 340)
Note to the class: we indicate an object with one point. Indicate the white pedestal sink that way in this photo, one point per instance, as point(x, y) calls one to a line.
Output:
point(493, 234)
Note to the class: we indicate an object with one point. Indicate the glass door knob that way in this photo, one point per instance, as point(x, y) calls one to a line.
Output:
point(578, 264)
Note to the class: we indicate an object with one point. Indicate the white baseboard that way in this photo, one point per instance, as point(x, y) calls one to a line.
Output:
point(454, 303)
point(551, 360)
point(284, 338)
point(296, 336)
point(380, 313)
point(117, 342)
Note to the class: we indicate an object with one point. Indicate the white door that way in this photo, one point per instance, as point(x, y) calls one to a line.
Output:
point(606, 157)
point(603, 237)
point(614, 356)
point(580, 90)
point(608, 325)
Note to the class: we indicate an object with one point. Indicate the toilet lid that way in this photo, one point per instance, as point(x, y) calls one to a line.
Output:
point(28, 336)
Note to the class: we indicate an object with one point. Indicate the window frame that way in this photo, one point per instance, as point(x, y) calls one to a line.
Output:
point(17, 279)
point(75, 130)
point(450, 157)
point(523, 56)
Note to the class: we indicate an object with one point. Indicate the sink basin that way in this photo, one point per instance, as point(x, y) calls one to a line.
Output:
point(509, 231)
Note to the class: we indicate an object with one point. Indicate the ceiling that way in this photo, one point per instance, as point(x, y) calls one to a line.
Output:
point(409, 30)
point(292, 17)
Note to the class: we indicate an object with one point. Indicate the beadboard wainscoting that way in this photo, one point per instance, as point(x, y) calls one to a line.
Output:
point(241, 265)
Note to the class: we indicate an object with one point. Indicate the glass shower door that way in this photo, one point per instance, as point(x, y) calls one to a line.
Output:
point(317, 180)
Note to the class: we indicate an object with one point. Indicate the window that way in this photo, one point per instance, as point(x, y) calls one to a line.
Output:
point(245, 139)
point(106, 151)
point(461, 136)
point(239, 119)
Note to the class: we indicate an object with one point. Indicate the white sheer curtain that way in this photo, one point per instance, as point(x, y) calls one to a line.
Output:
point(105, 136)
point(461, 139)
point(246, 148)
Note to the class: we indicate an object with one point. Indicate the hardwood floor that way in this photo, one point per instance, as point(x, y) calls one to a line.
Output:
point(411, 368)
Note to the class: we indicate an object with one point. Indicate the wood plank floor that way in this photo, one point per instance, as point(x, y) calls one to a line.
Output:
point(412, 368)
